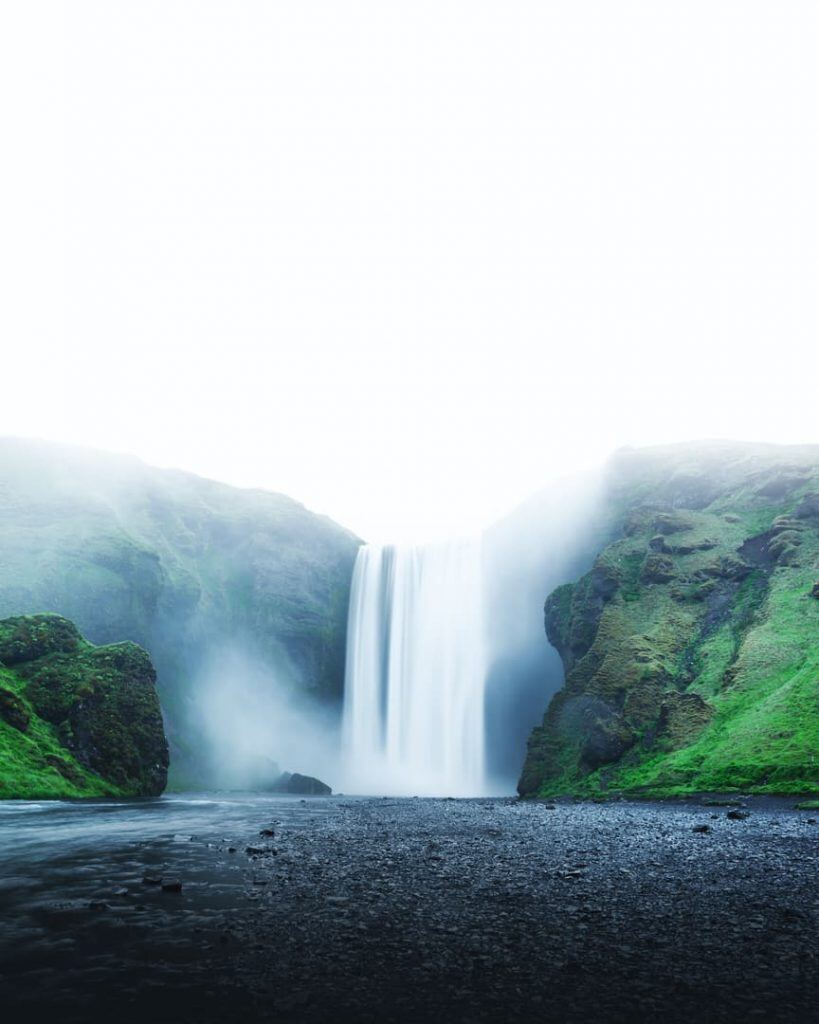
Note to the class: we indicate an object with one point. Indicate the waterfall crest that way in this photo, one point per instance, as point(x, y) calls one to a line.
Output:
point(414, 687)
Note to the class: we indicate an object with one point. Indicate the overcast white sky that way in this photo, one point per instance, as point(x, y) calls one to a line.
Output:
point(406, 261)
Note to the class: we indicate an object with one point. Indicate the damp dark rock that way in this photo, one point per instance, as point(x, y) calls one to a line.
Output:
point(301, 785)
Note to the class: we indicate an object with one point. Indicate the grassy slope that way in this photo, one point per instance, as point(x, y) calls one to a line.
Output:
point(25, 769)
point(25, 772)
point(749, 647)
point(76, 720)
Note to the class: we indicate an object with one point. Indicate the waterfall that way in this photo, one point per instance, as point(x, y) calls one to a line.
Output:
point(414, 688)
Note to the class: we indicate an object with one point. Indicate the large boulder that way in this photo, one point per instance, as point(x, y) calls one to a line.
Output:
point(302, 785)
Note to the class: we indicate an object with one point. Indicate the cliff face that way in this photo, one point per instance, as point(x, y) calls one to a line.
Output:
point(691, 648)
point(183, 566)
point(76, 720)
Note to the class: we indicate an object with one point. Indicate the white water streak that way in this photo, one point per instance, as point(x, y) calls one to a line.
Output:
point(414, 689)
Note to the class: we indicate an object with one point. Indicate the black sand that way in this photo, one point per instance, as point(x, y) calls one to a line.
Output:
point(411, 910)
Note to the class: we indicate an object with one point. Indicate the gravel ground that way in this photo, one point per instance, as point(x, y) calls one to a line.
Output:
point(428, 910)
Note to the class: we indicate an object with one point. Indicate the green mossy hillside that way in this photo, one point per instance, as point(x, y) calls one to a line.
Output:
point(185, 567)
point(76, 720)
point(691, 648)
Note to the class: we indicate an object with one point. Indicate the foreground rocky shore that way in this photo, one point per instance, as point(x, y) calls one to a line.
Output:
point(412, 910)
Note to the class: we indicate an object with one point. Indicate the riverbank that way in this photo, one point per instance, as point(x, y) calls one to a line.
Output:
point(408, 910)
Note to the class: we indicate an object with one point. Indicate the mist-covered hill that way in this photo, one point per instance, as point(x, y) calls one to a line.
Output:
point(691, 646)
point(240, 596)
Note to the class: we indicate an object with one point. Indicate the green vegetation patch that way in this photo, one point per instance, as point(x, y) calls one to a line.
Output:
point(76, 720)
point(703, 659)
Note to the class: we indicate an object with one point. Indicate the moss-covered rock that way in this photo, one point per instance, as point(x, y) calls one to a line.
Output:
point(14, 710)
point(28, 637)
point(691, 649)
point(89, 716)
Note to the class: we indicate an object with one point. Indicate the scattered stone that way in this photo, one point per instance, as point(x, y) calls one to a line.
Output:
point(738, 815)
point(703, 829)
point(152, 880)
point(172, 885)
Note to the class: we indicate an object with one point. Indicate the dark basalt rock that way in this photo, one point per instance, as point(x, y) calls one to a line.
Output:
point(657, 569)
point(572, 613)
point(302, 785)
point(607, 740)
point(602, 732)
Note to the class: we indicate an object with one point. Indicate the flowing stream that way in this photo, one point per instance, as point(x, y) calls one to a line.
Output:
point(414, 689)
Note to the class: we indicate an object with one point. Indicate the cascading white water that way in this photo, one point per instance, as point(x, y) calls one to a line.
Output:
point(414, 687)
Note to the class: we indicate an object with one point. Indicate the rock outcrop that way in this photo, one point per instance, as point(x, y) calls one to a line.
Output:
point(691, 648)
point(302, 785)
point(75, 719)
